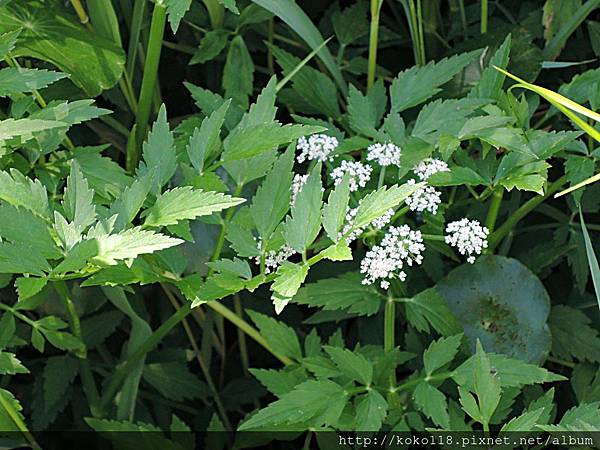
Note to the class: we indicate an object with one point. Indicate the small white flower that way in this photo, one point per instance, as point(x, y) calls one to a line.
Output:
point(378, 223)
point(385, 154)
point(468, 236)
point(386, 261)
point(297, 183)
point(317, 147)
point(426, 198)
point(428, 167)
point(273, 259)
point(360, 174)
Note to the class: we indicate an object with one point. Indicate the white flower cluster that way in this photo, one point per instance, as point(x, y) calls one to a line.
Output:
point(273, 259)
point(428, 167)
point(468, 236)
point(378, 223)
point(297, 183)
point(317, 147)
point(385, 154)
point(426, 198)
point(360, 174)
point(385, 261)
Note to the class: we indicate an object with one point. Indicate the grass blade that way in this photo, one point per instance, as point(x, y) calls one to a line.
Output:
point(300, 65)
point(591, 256)
point(292, 14)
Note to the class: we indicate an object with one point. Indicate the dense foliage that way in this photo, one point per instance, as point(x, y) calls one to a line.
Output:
point(298, 216)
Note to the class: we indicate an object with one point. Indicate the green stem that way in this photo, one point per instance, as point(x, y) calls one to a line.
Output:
point(16, 418)
point(373, 39)
point(520, 213)
point(248, 329)
point(221, 240)
point(389, 329)
point(421, 32)
point(85, 372)
point(415, 381)
point(492, 215)
point(134, 35)
point(484, 16)
point(157, 29)
point(201, 363)
point(241, 336)
point(124, 368)
point(80, 10)
point(216, 12)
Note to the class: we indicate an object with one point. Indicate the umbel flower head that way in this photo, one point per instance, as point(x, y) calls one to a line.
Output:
point(385, 154)
point(426, 198)
point(297, 184)
point(316, 147)
point(378, 223)
point(360, 174)
point(468, 236)
point(273, 259)
point(428, 167)
point(386, 261)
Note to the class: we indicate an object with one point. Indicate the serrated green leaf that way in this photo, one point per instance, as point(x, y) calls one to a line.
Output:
point(371, 410)
point(7, 423)
point(490, 83)
point(184, 203)
point(432, 403)
point(20, 258)
point(28, 287)
point(313, 402)
point(7, 329)
point(238, 73)
point(204, 140)
point(302, 226)
point(511, 372)
point(10, 365)
point(279, 382)
point(131, 243)
point(211, 45)
point(583, 345)
point(441, 352)
point(280, 337)
point(16, 80)
point(247, 142)
point(233, 266)
point(272, 199)
point(352, 365)
point(417, 84)
point(59, 373)
point(78, 201)
point(525, 422)
point(334, 212)
point(585, 417)
point(159, 150)
point(105, 177)
point(129, 203)
point(19, 224)
point(428, 308)
point(161, 376)
point(176, 9)
point(345, 292)
point(365, 111)
point(376, 203)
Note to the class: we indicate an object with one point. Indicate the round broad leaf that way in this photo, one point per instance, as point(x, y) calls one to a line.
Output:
point(503, 304)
